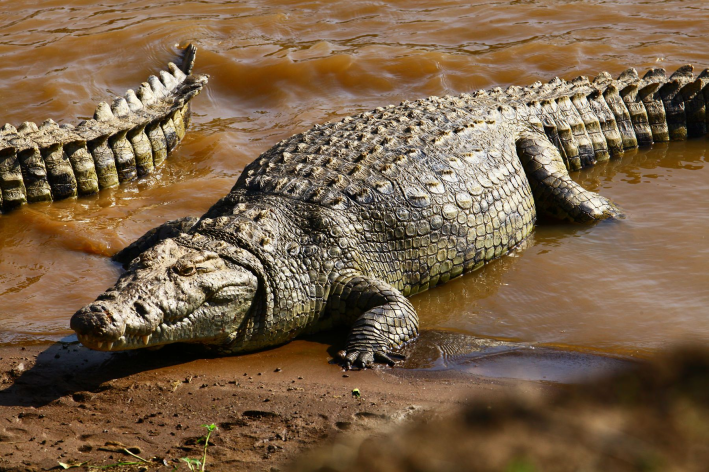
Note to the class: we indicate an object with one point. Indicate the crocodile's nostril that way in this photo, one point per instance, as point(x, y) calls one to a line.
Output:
point(141, 309)
point(107, 296)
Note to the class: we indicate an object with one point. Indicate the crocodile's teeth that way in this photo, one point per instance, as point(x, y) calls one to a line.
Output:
point(109, 345)
point(100, 345)
point(146, 339)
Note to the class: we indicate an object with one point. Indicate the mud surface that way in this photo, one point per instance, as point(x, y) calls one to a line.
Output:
point(64, 404)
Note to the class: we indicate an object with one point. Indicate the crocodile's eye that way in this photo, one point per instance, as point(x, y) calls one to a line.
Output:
point(203, 262)
point(145, 259)
point(184, 268)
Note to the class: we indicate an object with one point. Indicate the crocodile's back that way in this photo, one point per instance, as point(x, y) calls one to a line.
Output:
point(426, 190)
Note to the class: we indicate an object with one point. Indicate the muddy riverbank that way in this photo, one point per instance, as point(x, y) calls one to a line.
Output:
point(654, 417)
point(66, 407)
point(63, 404)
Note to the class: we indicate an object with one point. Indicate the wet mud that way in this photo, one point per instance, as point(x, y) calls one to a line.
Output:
point(651, 418)
point(65, 404)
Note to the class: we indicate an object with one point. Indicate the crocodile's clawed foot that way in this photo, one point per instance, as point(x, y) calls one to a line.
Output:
point(363, 359)
point(594, 209)
point(615, 211)
point(601, 208)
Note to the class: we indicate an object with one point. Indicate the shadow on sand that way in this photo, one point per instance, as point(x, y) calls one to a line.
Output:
point(67, 367)
point(63, 369)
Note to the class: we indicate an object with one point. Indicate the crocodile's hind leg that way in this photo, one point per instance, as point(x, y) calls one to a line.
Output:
point(555, 194)
point(382, 318)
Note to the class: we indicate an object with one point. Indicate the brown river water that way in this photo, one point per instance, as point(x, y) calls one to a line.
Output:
point(628, 288)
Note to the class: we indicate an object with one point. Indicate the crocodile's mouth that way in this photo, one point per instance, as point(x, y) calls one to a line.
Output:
point(166, 332)
point(206, 324)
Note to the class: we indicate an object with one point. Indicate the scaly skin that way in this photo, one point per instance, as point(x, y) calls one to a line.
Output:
point(122, 141)
point(340, 224)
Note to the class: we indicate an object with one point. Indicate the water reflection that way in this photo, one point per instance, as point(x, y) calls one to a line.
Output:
point(634, 165)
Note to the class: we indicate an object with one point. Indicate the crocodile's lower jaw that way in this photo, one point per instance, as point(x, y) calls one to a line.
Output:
point(123, 343)
point(163, 335)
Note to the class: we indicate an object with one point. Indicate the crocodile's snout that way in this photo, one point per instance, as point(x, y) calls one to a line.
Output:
point(96, 325)
point(170, 293)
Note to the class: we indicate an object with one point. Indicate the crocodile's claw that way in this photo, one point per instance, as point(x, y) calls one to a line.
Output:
point(363, 359)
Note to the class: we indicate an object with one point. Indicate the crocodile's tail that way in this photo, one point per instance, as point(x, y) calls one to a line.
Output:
point(591, 120)
point(127, 139)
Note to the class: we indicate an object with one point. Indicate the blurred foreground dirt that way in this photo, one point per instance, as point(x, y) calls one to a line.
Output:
point(655, 417)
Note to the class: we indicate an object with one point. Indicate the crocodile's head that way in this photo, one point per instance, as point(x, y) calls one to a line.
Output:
point(170, 293)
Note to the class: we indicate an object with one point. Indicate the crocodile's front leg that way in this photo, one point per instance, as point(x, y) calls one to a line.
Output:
point(382, 318)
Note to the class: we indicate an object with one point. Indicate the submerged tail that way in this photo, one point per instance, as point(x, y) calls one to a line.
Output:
point(127, 139)
point(591, 120)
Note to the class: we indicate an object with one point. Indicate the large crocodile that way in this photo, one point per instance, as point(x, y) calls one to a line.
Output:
point(122, 141)
point(340, 224)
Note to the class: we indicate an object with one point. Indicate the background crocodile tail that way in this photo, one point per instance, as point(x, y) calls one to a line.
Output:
point(122, 141)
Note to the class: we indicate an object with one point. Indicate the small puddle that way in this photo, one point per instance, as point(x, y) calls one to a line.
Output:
point(438, 350)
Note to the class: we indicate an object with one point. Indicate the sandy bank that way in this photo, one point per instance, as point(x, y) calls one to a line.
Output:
point(64, 403)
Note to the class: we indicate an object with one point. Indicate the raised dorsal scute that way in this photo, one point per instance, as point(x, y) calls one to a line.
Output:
point(629, 75)
point(684, 72)
point(657, 74)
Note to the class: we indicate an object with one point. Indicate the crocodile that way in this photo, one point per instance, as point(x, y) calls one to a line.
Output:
point(122, 141)
point(339, 225)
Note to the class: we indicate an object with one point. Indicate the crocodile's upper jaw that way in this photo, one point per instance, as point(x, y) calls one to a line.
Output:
point(169, 294)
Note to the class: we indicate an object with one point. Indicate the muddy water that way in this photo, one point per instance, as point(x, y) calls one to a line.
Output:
point(629, 287)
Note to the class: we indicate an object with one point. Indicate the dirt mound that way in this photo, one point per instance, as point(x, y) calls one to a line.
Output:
point(655, 417)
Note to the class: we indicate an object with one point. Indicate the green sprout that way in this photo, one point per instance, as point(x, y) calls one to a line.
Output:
point(194, 464)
